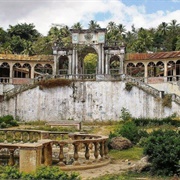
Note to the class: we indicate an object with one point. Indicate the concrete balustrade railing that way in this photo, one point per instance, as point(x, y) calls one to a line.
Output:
point(74, 151)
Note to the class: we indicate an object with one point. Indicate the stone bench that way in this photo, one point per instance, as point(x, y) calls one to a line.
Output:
point(76, 124)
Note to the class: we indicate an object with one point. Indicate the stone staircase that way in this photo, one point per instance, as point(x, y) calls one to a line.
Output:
point(134, 81)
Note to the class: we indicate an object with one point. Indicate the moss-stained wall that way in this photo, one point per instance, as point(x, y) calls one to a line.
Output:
point(85, 101)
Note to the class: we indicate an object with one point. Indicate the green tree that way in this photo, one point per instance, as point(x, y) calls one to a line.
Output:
point(93, 25)
point(90, 63)
point(77, 26)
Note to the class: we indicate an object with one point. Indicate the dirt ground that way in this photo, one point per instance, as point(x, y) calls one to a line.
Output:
point(115, 167)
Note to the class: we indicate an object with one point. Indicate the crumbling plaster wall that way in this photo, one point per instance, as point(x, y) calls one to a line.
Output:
point(84, 101)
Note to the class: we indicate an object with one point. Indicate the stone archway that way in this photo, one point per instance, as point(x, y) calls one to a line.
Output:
point(114, 65)
point(63, 62)
point(88, 60)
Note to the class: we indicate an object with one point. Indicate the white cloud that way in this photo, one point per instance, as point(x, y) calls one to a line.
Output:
point(45, 12)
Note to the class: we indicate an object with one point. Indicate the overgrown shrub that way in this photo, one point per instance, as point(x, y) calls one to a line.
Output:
point(156, 121)
point(129, 86)
point(7, 121)
point(125, 114)
point(167, 100)
point(130, 131)
point(163, 149)
point(51, 83)
point(43, 173)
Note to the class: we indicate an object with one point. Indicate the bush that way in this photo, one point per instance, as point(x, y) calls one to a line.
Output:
point(156, 121)
point(7, 121)
point(49, 173)
point(130, 131)
point(163, 149)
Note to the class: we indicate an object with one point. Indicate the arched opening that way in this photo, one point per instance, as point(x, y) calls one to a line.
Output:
point(26, 69)
point(178, 69)
point(4, 70)
point(130, 69)
point(38, 70)
point(48, 69)
point(114, 65)
point(63, 64)
point(139, 72)
point(170, 68)
point(88, 58)
point(159, 68)
point(18, 73)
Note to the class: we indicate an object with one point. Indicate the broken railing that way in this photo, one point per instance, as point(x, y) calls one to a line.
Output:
point(70, 151)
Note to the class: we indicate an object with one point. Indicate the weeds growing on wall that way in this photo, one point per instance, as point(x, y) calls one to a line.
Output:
point(128, 86)
point(51, 83)
point(167, 101)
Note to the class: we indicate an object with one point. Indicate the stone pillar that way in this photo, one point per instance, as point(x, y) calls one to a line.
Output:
point(165, 72)
point(10, 73)
point(145, 73)
point(102, 52)
point(73, 61)
point(99, 59)
point(30, 157)
point(32, 72)
point(70, 64)
point(56, 65)
point(76, 67)
point(121, 70)
point(47, 154)
point(107, 64)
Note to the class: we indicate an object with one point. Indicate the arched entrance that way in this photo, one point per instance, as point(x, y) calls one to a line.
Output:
point(63, 64)
point(88, 59)
point(114, 65)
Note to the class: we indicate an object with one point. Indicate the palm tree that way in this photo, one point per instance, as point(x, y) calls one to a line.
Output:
point(173, 26)
point(93, 25)
point(163, 28)
point(77, 26)
point(111, 26)
point(121, 28)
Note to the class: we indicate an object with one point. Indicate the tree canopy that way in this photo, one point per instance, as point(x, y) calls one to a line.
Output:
point(25, 39)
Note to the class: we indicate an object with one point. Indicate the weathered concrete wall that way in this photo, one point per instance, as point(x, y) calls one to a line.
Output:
point(85, 101)
point(169, 87)
point(5, 88)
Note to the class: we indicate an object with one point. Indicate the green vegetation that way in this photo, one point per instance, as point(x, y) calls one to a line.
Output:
point(128, 86)
point(7, 121)
point(167, 101)
point(163, 149)
point(25, 39)
point(43, 173)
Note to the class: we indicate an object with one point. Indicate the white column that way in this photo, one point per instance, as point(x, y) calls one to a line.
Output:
point(76, 62)
point(73, 61)
point(99, 60)
point(70, 64)
point(102, 50)
point(32, 72)
point(55, 65)
point(10, 73)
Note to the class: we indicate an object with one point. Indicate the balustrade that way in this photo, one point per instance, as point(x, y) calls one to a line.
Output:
point(87, 149)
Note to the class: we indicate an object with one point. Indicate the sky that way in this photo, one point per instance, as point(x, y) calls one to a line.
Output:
point(47, 13)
